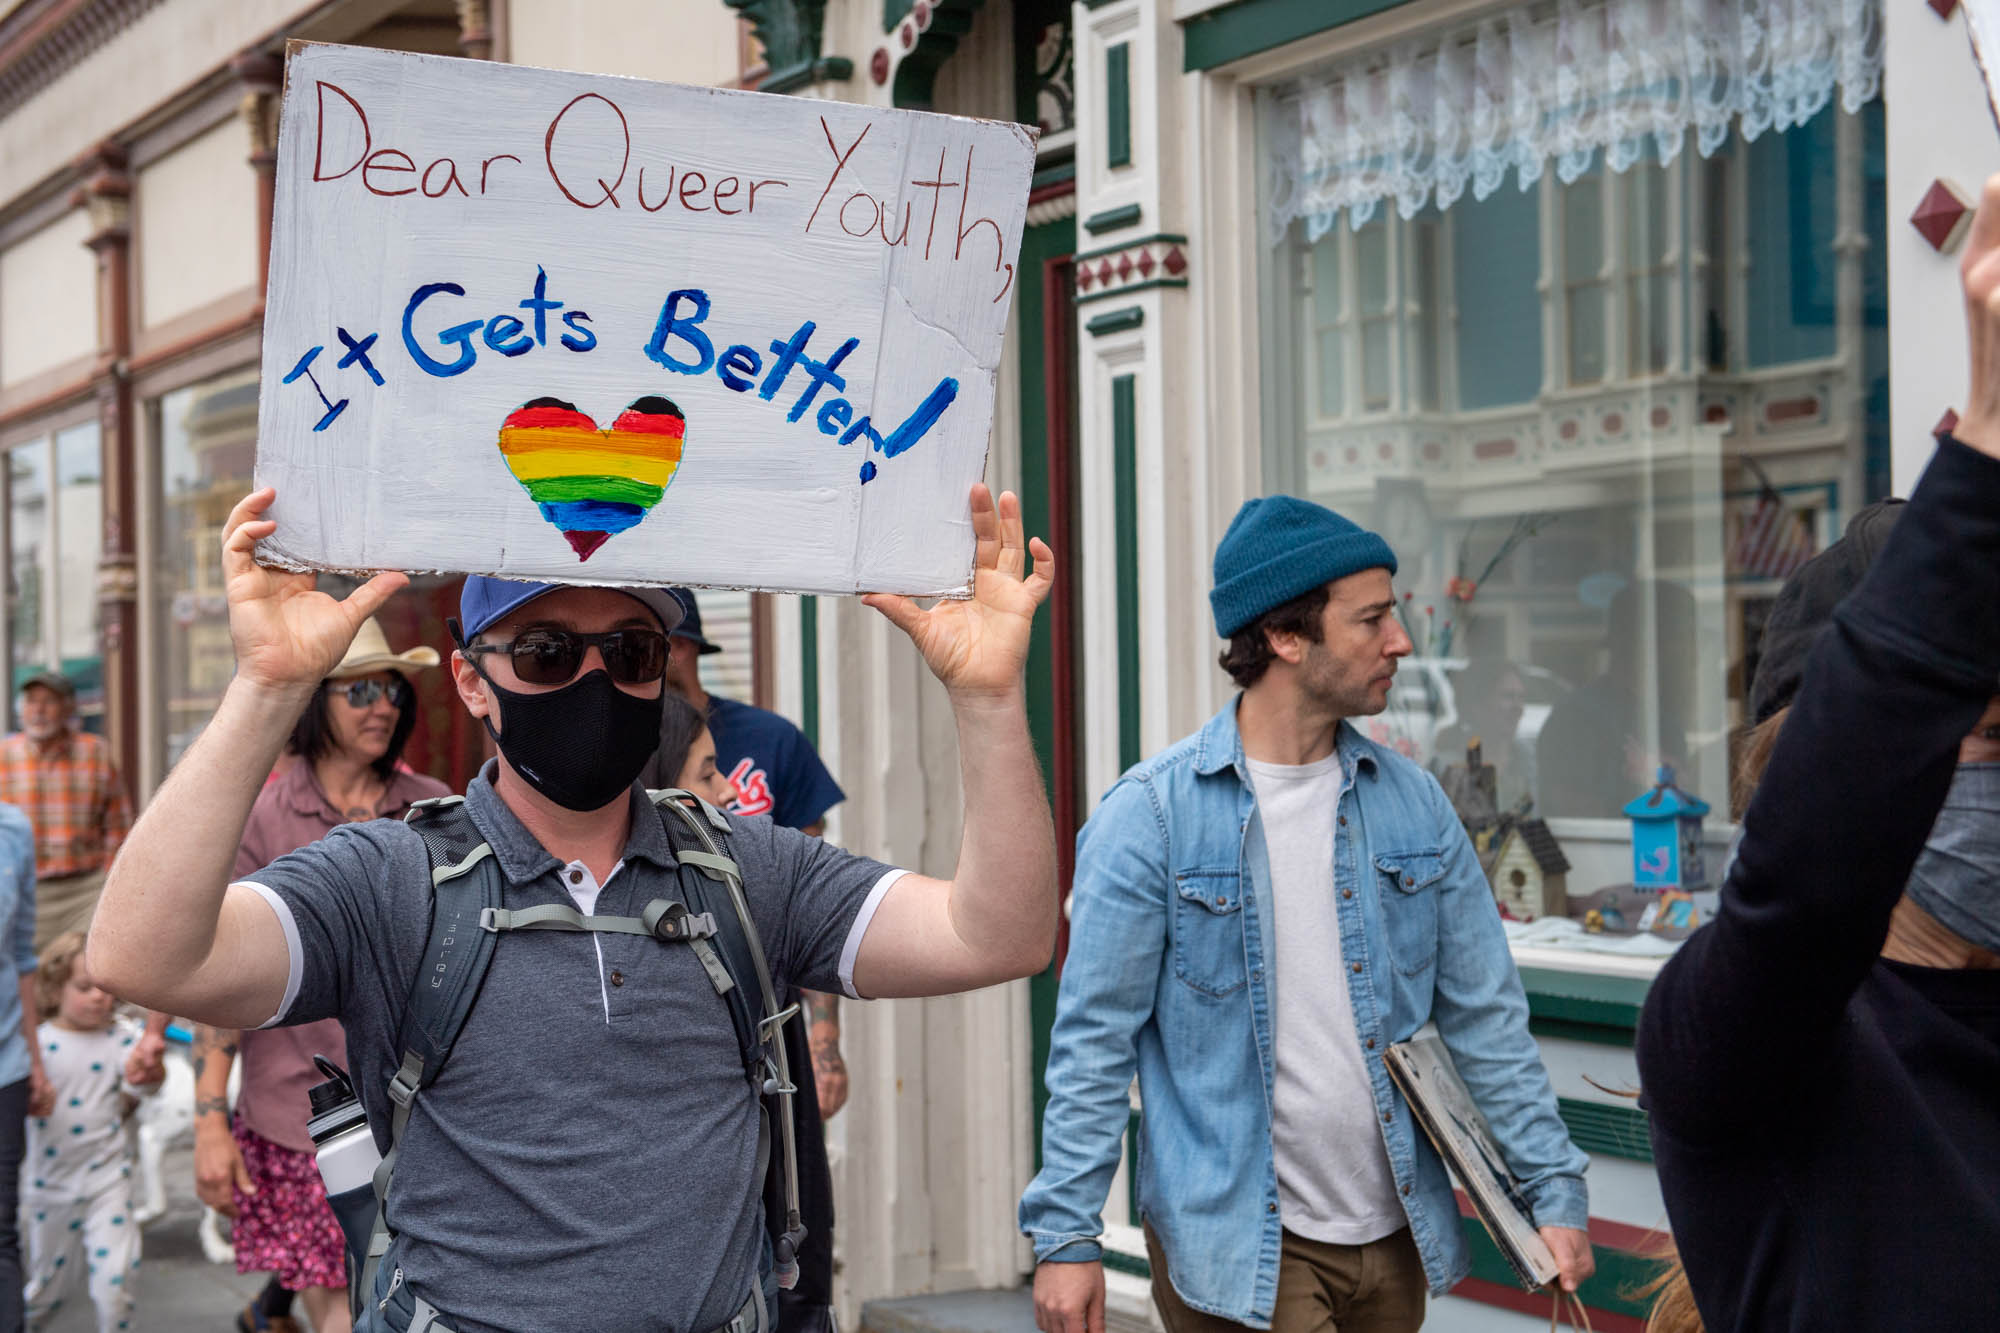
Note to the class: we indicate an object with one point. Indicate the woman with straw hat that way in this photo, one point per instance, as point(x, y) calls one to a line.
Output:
point(345, 750)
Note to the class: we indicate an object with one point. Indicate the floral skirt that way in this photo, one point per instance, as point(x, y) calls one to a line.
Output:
point(286, 1227)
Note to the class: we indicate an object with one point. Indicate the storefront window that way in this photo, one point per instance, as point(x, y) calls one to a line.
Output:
point(1599, 421)
point(55, 534)
point(205, 437)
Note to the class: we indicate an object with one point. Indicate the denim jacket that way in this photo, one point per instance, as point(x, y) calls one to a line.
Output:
point(1168, 976)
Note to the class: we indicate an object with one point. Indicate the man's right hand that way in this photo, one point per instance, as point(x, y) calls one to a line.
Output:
point(218, 1167)
point(1069, 1298)
point(286, 632)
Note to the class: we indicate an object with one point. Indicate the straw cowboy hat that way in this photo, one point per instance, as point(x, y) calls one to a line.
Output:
point(370, 652)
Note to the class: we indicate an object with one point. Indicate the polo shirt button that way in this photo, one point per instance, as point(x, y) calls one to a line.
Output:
point(1357, 967)
point(576, 877)
point(617, 978)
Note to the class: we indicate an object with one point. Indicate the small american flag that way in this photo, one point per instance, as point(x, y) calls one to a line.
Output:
point(1773, 540)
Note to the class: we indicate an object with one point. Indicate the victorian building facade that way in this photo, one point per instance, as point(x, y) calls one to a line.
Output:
point(1585, 303)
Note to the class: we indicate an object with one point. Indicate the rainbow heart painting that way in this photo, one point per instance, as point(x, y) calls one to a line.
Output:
point(593, 484)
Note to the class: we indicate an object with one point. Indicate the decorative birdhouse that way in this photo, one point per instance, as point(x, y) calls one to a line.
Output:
point(1666, 837)
point(1529, 872)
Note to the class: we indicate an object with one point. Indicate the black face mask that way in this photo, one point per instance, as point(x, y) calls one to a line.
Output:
point(582, 746)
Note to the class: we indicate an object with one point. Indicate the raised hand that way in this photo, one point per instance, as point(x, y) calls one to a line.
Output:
point(1979, 271)
point(979, 645)
point(287, 632)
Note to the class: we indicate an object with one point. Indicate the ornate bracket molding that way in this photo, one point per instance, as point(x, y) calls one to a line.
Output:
point(791, 31)
point(922, 36)
point(39, 43)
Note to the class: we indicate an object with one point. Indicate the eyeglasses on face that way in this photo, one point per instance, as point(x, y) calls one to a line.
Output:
point(544, 656)
point(364, 693)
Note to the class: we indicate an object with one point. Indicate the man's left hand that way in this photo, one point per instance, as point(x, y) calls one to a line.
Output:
point(980, 645)
point(147, 1064)
point(1574, 1257)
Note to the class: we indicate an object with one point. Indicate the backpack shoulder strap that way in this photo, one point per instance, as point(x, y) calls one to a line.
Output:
point(700, 839)
point(465, 883)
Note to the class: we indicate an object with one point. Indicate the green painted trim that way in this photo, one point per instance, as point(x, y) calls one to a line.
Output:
point(1126, 1263)
point(1115, 321)
point(1591, 1032)
point(1055, 175)
point(828, 69)
point(1038, 246)
point(1125, 509)
point(1111, 219)
point(1584, 997)
point(894, 12)
point(1599, 1127)
point(1158, 237)
point(1128, 289)
point(809, 669)
point(1118, 105)
point(1250, 26)
point(1614, 1287)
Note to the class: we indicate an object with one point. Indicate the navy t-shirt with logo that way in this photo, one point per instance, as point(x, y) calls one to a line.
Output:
point(772, 764)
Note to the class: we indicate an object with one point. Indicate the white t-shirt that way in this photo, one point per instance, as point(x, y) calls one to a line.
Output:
point(1334, 1181)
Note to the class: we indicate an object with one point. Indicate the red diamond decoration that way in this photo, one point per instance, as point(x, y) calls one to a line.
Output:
point(1942, 217)
point(1125, 267)
point(1146, 264)
point(1942, 8)
point(1946, 424)
point(1104, 272)
point(1083, 278)
point(1176, 262)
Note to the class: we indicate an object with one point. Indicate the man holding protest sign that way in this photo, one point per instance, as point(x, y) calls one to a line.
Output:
point(588, 1155)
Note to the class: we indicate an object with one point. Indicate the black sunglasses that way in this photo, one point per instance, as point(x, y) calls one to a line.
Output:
point(364, 693)
point(544, 656)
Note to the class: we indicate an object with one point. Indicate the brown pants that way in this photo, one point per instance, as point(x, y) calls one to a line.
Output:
point(64, 904)
point(1322, 1288)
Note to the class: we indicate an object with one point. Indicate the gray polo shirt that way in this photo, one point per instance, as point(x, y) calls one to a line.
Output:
point(588, 1156)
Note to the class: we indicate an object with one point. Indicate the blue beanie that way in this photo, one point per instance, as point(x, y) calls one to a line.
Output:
point(1279, 547)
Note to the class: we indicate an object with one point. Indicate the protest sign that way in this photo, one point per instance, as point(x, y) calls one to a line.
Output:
point(595, 329)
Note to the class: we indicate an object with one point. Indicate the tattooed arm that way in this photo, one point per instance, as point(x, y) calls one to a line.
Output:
point(829, 1070)
point(218, 1162)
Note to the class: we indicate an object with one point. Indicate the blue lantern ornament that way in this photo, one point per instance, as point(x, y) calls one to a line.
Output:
point(1666, 837)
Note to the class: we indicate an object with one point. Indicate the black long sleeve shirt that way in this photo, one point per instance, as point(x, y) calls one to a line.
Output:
point(1827, 1123)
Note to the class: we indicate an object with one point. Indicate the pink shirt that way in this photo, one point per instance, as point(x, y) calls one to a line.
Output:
point(278, 1071)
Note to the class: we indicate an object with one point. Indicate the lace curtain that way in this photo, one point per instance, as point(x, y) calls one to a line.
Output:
point(1451, 112)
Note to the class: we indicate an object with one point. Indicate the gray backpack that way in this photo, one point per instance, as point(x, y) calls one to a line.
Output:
point(712, 917)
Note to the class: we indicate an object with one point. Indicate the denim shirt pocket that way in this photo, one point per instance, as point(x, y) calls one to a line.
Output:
point(1208, 930)
point(1410, 887)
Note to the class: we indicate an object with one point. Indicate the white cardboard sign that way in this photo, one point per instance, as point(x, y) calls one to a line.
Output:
point(594, 329)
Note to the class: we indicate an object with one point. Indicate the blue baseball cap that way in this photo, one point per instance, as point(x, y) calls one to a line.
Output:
point(485, 601)
point(690, 626)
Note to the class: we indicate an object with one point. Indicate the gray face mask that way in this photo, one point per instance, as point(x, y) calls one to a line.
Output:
point(1957, 876)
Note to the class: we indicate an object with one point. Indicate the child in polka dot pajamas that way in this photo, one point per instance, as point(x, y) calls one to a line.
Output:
point(77, 1194)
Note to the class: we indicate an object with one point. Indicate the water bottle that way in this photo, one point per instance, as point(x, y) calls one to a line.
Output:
point(345, 1148)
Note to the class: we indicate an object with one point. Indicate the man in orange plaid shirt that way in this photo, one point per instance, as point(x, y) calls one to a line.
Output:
point(63, 780)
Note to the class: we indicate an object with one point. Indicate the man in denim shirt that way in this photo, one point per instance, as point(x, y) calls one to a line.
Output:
point(1259, 912)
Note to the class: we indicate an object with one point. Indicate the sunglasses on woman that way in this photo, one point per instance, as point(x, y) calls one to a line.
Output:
point(364, 693)
point(544, 656)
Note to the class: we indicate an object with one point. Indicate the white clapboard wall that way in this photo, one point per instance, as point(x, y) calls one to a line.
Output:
point(566, 326)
